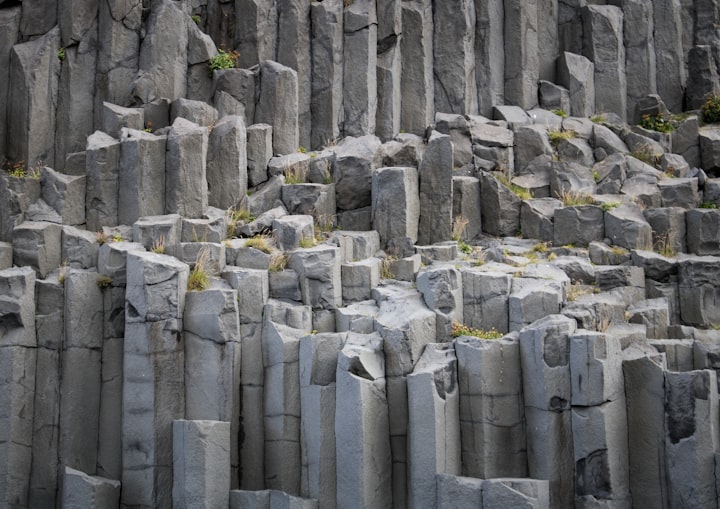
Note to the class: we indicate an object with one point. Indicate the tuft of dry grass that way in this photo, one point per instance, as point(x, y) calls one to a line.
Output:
point(261, 243)
point(575, 198)
point(199, 278)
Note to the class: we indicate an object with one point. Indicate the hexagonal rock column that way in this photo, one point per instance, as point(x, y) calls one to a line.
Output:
point(17, 382)
point(81, 490)
point(395, 203)
point(153, 376)
point(186, 191)
point(360, 72)
point(362, 425)
point(318, 367)
point(201, 464)
point(491, 407)
point(545, 361)
point(434, 424)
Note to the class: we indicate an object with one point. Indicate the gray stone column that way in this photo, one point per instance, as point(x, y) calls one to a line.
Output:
point(522, 62)
point(360, 72)
point(418, 84)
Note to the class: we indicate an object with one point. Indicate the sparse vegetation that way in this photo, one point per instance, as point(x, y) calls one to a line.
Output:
point(101, 237)
point(278, 262)
point(575, 198)
point(558, 135)
point(261, 243)
point(158, 246)
point(541, 247)
point(708, 205)
point(711, 110)
point(596, 177)
point(464, 247)
point(196, 19)
point(645, 154)
point(223, 60)
point(560, 113)
point(664, 247)
point(235, 216)
point(458, 227)
point(61, 54)
point(62, 272)
point(598, 118)
point(307, 242)
point(104, 282)
point(19, 170)
point(294, 175)
point(459, 329)
point(660, 123)
point(577, 291)
point(386, 267)
point(520, 192)
point(609, 205)
point(116, 237)
point(199, 277)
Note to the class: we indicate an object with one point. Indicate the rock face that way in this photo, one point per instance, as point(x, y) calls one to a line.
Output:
point(280, 253)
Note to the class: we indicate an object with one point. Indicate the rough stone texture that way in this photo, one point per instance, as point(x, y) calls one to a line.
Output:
point(580, 224)
point(142, 175)
point(491, 408)
point(577, 74)
point(500, 207)
point(82, 490)
point(418, 84)
point(434, 430)
point(360, 68)
point(9, 26)
point(102, 156)
point(396, 208)
point(522, 65)
point(466, 206)
point(186, 186)
point(38, 245)
point(201, 460)
point(278, 105)
point(703, 233)
point(436, 190)
point(256, 31)
point(669, 53)
point(603, 44)
point(227, 176)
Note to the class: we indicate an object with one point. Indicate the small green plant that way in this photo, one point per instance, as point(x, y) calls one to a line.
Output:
point(199, 277)
point(148, 126)
point(576, 292)
point(711, 110)
point(661, 123)
point(196, 19)
point(609, 205)
point(458, 227)
point(520, 192)
point(261, 243)
point(116, 237)
point(19, 170)
point(234, 216)
point(302, 150)
point(598, 118)
point(575, 198)
point(708, 205)
point(560, 113)
point(61, 54)
point(103, 282)
point(558, 135)
point(278, 262)
point(552, 257)
point(307, 242)
point(460, 329)
point(596, 177)
point(464, 247)
point(223, 60)
point(664, 247)
point(541, 247)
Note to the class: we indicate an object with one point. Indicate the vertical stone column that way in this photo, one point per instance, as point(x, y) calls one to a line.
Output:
point(318, 368)
point(50, 331)
point(603, 44)
point(211, 330)
point(395, 204)
point(489, 54)
point(545, 361)
point(639, 42)
point(227, 176)
point(362, 426)
point(18, 360)
point(645, 401)
point(570, 26)
point(453, 57)
point(153, 376)
point(277, 105)
point(119, 26)
point(9, 26)
point(492, 422)
point(389, 68)
point(434, 424)
point(82, 490)
point(186, 191)
point(548, 38)
point(201, 464)
point(253, 290)
point(142, 167)
point(436, 190)
point(327, 71)
point(34, 74)
point(102, 162)
point(418, 84)
point(81, 371)
point(360, 72)
point(691, 437)
point(577, 74)
point(256, 31)
point(293, 50)
point(486, 298)
point(669, 53)
point(522, 62)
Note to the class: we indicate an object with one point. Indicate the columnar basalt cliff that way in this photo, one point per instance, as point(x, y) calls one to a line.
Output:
point(359, 254)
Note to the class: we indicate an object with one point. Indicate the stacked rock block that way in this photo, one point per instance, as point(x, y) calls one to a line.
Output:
point(323, 367)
